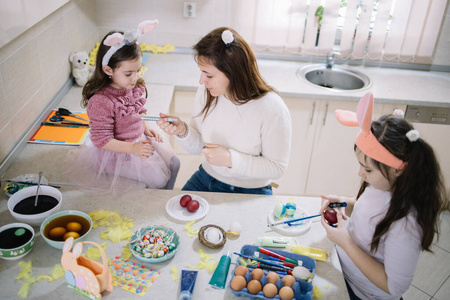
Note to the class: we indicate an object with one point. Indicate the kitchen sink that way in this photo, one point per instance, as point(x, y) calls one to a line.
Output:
point(334, 78)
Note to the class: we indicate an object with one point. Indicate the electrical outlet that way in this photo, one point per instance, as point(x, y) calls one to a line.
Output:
point(189, 9)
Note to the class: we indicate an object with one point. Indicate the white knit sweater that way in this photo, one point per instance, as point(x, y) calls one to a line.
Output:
point(257, 134)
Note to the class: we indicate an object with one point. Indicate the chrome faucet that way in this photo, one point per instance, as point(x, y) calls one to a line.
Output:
point(330, 60)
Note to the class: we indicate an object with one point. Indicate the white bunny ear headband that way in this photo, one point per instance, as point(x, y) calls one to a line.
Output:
point(117, 40)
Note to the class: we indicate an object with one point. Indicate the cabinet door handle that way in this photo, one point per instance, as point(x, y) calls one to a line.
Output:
point(312, 114)
point(325, 115)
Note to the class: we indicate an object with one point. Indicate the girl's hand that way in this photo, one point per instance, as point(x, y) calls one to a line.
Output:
point(326, 200)
point(150, 133)
point(338, 234)
point(143, 149)
point(217, 155)
point(173, 128)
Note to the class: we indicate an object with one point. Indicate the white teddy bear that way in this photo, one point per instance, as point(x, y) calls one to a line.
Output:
point(81, 70)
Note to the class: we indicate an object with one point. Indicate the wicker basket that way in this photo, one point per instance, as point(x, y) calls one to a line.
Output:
point(206, 243)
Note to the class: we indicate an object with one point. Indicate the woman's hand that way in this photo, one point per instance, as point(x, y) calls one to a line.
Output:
point(217, 155)
point(150, 133)
point(143, 149)
point(173, 128)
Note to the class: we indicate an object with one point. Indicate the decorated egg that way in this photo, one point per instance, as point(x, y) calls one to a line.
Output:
point(279, 210)
point(235, 228)
point(291, 207)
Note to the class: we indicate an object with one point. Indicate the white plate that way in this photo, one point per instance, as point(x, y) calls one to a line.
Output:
point(176, 211)
point(298, 229)
point(34, 178)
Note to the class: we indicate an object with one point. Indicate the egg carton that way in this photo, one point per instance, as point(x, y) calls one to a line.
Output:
point(306, 288)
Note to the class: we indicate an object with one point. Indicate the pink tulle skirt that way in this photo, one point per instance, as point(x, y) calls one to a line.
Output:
point(110, 172)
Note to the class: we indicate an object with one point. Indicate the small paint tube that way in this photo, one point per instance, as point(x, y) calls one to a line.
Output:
point(188, 278)
point(317, 254)
point(219, 278)
point(275, 241)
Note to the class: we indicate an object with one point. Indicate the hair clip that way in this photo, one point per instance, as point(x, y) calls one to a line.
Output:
point(413, 135)
point(118, 40)
point(398, 113)
point(227, 37)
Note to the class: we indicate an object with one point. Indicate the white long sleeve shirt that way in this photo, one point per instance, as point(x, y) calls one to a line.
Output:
point(398, 249)
point(257, 134)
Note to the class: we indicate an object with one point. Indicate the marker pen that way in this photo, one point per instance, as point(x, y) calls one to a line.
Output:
point(337, 204)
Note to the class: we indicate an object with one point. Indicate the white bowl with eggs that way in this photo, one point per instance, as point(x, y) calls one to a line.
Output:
point(64, 224)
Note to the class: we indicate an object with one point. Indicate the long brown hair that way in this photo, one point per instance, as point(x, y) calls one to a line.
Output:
point(420, 185)
point(99, 79)
point(238, 62)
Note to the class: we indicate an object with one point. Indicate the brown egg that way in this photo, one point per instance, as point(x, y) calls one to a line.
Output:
point(73, 226)
point(254, 286)
point(272, 277)
point(286, 293)
point(270, 290)
point(241, 270)
point(288, 280)
point(257, 273)
point(69, 234)
point(57, 232)
point(238, 283)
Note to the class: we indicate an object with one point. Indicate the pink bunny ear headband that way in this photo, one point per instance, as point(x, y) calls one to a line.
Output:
point(365, 139)
point(117, 40)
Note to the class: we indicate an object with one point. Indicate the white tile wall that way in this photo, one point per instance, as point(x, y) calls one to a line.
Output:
point(35, 66)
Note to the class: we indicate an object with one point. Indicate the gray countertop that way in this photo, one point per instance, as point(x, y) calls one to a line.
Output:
point(146, 208)
point(397, 86)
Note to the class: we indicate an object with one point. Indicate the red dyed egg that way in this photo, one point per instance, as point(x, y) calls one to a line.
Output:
point(331, 216)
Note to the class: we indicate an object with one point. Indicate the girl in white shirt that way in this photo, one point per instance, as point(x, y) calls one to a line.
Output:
point(239, 122)
point(395, 214)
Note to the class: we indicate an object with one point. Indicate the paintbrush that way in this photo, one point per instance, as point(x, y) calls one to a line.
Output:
point(289, 221)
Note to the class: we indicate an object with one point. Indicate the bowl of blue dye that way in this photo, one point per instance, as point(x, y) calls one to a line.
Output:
point(16, 240)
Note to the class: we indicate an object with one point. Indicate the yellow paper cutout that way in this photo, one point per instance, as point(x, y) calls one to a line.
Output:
point(118, 227)
point(189, 231)
point(316, 292)
point(174, 273)
point(94, 253)
point(126, 253)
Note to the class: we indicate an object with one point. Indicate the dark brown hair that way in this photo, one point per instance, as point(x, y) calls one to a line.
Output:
point(238, 62)
point(419, 187)
point(99, 79)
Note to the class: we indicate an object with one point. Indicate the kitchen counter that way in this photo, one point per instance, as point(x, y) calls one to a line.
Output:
point(389, 85)
point(147, 207)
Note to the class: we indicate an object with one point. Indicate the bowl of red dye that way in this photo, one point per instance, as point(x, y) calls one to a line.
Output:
point(22, 206)
point(16, 240)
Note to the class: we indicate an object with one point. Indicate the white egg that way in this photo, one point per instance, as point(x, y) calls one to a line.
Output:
point(213, 235)
point(235, 227)
point(301, 272)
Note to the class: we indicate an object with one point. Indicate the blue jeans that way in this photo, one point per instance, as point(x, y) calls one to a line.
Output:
point(202, 182)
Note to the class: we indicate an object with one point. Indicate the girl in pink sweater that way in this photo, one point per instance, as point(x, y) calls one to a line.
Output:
point(121, 145)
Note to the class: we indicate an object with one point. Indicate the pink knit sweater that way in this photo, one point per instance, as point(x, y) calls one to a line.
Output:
point(115, 114)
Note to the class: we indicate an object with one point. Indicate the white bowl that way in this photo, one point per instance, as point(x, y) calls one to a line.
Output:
point(34, 219)
point(60, 244)
point(21, 250)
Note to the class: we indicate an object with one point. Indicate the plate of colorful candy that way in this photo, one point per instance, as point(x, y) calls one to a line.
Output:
point(154, 244)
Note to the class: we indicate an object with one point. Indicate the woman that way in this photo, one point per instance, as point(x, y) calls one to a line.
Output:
point(239, 122)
